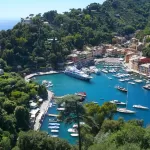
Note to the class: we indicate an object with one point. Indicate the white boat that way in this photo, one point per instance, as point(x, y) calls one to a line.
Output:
point(75, 126)
point(53, 127)
point(117, 102)
point(104, 70)
point(140, 107)
point(147, 86)
point(74, 72)
point(61, 109)
point(121, 80)
point(54, 135)
point(138, 81)
point(131, 83)
point(72, 130)
point(74, 134)
point(54, 131)
point(126, 111)
point(95, 102)
point(54, 124)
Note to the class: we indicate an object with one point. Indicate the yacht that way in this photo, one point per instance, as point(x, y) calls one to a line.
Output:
point(61, 109)
point(126, 111)
point(104, 70)
point(83, 94)
point(117, 102)
point(131, 83)
point(54, 135)
point(74, 72)
point(140, 107)
point(121, 89)
point(74, 134)
point(54, 124)
point(138, 81)
point(147, 86)
point(54, 131)
point(53, 127)
point(72, 130)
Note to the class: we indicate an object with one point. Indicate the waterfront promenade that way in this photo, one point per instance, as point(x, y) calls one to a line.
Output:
point(43, 110)
point(39, 74)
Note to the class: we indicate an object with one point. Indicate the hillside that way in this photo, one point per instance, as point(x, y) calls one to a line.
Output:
point(38, 45)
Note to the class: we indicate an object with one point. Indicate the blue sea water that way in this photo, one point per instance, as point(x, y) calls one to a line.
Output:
point(7, 24)
point(99, 88)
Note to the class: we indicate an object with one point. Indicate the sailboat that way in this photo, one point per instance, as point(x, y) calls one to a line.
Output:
point(125, 110)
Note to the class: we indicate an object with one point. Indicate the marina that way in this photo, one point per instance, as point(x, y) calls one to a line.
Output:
point(97, 91)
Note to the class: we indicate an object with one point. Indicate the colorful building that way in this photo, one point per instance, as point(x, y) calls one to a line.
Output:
point(145, 69)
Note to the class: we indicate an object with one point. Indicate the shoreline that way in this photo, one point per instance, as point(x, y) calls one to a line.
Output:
point(27, 77)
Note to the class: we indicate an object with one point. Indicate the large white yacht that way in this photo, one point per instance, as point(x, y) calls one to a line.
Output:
point(74, 72)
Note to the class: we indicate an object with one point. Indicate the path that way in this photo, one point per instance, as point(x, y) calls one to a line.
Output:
point(43, 110)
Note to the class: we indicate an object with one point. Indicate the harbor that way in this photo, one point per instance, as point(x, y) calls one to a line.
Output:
point(101, 88)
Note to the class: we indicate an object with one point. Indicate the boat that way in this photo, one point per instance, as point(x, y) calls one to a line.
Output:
point(83, 94)
point(54, 131)
point(54, 135)
point(117, 102)
point(126, 111)
point(95, 102)
point(86, 70)
point(75, 126)
point(121, 80)
point(54, 124)
point(121, 89)
point(53, 127)
point(109, 78)
point(72, 130)
point(74, 72)
point(74, 134)
point(47, 83)
point(61, 109)
point(131, 83)
point(147, 87)
point(140, 107)
point(138, 81)
point(104, 70)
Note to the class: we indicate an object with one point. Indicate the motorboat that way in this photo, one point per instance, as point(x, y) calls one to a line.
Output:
point(121, 89)
point(74, 72)
point(131, 83)
point(95, 102)
point(53, 127)
point(104, 70)
point(54, 131)
point(117, 102)
point(140, 107)
point(72, 130)
point(138, 81)
point(47, 83)
point(121, 80)
point(61, 109)
point(54, 135)
point(147, 87)
point(126, 111)
point(109, 78)
point(74, 134)
point(83, 94)
point(75, 126)
point(54, 124)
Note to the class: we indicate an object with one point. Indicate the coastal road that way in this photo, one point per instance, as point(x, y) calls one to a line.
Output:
point(43, 110)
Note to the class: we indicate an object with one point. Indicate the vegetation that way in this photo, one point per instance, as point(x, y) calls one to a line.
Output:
point(15, 94)
point(38, 46)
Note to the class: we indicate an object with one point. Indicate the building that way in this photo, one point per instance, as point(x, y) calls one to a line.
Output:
point(145, 69)
point(128, 56)
point(73, 57)
point(1, 71)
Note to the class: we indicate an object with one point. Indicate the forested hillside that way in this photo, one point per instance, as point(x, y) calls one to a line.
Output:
point(38, 45)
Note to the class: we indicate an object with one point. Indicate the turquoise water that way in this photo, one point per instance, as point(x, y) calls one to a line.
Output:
point(99, 88)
